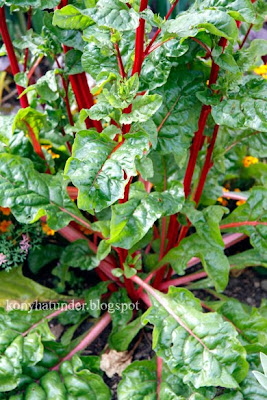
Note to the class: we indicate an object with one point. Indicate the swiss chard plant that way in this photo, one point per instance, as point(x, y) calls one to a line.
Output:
point(130, 145)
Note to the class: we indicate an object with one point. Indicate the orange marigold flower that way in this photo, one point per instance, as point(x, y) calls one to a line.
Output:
point(223, 201)
point(249, 160)
point(4, 225)
point(85, 230)
point(48, 231)
point(237, 190)
point(5, 211)
point(240, 202)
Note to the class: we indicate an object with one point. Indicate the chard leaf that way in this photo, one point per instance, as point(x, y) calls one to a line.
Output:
point(32, 195)
point(248, 258)
point(245, 108)
point(132, 220)
point(79, 255)
point(139, 381)
point(201, 347)
point(93, 298)
point(70, 17)
point(191, 22)
point(207, 244)
point(98, 172)
point(96, 60)
point(143, 107)
point(241, 10)
point(17, 288)
point(114, 14)
point(177, 117)
point(251, 325)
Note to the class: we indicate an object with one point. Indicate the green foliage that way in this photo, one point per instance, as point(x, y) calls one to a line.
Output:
point(202, 348)
point(147, 132)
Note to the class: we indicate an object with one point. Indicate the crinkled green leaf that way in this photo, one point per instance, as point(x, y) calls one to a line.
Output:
point(132, 220)
point(96, 60)
point(241, 10)
point(98, 172)
point(251, 325)
point(32, 195)
point(177, 118)
point(114, 14)
point(245, 108)
point(207, 244)
point(79, 255)
point(202, 347)
point(93, 298)
point(143, 107)
point(191, 22)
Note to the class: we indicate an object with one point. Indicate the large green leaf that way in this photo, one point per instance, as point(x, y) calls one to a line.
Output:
point(115, 14)
point(214, 21)
point(206, 243)
point(96, 60)
point(132, 220)
point(177, 118)
point(143, 107)
point(245, 108)
point(79, 255)
point(202, 347)
point(139, 382)
point(98, 172)
point(71, 17)
point(251, 325)
point(241, 10)
point(32, 195)
point(19, 289)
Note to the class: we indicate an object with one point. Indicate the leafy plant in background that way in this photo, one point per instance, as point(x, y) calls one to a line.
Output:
point(145, 150)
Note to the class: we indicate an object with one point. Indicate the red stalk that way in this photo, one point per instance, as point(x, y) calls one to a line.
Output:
point(207, 166)
point(11, 55)
point(35, 65)
point(243, 223)
point(183, 281)
point(120, 63)
point(36, 145)
point(159, 30)
point(159, 373)
point(139, 41)
point(94, 332)
point(245, 37)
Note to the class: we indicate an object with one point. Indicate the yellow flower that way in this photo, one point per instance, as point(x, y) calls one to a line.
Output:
point(4, 225)
point(48, 148)
point(247, 161)
point(5, 211)
point(223, 201)
point(240, 202)
point(237, 190)
point(47, 230)
point(262, 70)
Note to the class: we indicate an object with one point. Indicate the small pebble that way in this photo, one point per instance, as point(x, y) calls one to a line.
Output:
point(249, 300)
point(264, 284)
point(257, 284)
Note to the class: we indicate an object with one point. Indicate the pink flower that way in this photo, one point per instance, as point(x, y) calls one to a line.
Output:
point(24, 244)
point(3, 259)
